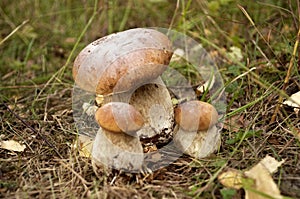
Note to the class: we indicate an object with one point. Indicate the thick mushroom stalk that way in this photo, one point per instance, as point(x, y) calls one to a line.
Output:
point(116, 144)
point(196, 133)
point(117, 151)
point(125, 67)
point(153, 101)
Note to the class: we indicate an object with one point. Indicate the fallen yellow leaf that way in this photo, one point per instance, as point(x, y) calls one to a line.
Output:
point(263, 182)
point(231, 178)
point(84, 144)
point(12, 145)
point(257, 181)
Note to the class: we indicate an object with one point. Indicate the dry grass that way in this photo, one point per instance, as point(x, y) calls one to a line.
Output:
point(51, 167)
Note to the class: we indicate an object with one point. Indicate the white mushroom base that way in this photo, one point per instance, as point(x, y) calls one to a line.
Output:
point(117, 151)
point(197, 144)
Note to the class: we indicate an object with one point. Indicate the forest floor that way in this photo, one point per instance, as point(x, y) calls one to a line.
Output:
point(254, 45)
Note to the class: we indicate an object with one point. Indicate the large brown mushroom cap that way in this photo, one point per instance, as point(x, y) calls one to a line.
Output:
point(139, 54)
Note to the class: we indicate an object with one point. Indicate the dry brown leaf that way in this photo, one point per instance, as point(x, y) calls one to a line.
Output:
point(234, 123)
point(263, 182)
point(12, 145)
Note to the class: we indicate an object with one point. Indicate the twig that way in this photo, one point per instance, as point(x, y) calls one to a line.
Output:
point(33, 130)
point(287, 77)
point(84, 182)
point(259, 32)
point(173, 17)
point(14, 31)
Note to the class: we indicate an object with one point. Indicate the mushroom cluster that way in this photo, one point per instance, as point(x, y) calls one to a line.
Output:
point(125, 69)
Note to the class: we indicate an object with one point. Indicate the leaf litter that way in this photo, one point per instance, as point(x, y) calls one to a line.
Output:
point(257, 181)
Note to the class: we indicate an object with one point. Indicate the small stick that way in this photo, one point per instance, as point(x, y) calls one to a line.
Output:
point(84, 182)
point(14, 31)
point(33, 130)
point(287, 77)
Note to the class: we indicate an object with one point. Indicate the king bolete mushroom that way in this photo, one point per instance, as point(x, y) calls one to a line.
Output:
point(125, 67)
point(118, 120)
point(196, 133)
point(196, 115)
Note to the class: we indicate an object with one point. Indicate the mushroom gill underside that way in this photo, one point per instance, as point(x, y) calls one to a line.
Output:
point(154, 102)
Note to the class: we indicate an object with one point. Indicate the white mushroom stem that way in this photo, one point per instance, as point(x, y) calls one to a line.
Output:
point(154, 102)
point(122, 151)
point(118, 151)
point(198, 144)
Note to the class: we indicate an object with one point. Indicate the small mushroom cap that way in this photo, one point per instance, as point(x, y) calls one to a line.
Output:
point(119, 117)
point(139, 55)
point(196, 116)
